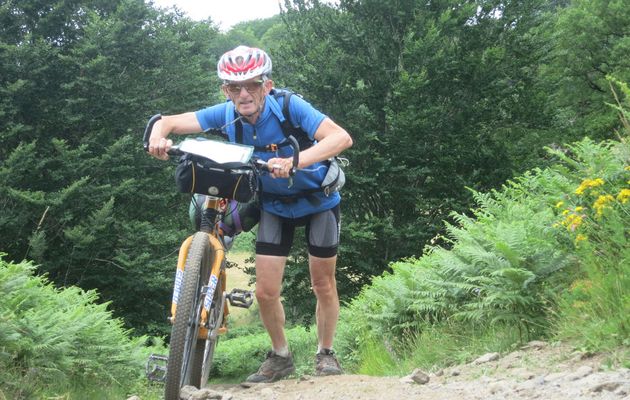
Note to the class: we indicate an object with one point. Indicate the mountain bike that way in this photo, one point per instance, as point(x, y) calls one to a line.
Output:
point(199, 308)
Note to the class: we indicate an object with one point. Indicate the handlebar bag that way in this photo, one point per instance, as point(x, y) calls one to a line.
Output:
point(233, 180)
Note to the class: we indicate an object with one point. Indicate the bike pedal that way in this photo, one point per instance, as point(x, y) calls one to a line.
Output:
point(156, 368)
point(240, 298)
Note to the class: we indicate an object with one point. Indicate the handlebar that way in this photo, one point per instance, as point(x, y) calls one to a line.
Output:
point(175, 150)
point(148, 130)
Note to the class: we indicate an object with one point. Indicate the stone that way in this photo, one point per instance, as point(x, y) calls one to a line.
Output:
point(486, 358)
point(186, 392)
point(406, 380)
point(535, 345)
point(581, 372)
point(419, 376)
point(607, 386)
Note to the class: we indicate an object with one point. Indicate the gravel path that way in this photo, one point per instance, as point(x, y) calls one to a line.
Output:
point(537, 371)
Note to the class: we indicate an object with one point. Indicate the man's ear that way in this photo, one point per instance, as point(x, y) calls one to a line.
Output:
point(225, 91)
point(268, 85)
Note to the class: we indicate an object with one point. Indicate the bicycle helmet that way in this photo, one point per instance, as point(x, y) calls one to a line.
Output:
point(243, 63)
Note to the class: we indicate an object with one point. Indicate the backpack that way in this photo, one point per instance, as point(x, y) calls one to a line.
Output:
point(335, 177)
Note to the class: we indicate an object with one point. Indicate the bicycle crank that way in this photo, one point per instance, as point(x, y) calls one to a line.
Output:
point(240, 298)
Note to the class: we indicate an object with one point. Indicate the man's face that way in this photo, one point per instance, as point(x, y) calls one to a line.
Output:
point(248, 96)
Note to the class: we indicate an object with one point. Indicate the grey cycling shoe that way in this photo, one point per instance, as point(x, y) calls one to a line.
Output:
point(274, 367)
point(326, 363)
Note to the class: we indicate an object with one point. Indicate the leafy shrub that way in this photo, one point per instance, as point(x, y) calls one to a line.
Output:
point(553, 235)
point(595, 215)
point(59, 340)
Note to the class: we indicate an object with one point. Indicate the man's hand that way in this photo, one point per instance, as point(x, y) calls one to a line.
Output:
point(280, 167)
point(158, 143)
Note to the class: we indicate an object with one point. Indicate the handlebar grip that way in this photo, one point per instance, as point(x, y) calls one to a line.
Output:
point(174, 151)
point(148, 129)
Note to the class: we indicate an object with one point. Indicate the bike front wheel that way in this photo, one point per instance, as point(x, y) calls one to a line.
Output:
point(185, 349)
point(215, 323)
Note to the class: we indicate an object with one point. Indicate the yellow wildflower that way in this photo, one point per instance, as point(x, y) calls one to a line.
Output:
point(572, 222)
point(559, 204)
point(601, 203)
point(589, 183)
point(626, 168)
point(579, 208)
point(565, 212)
point(580, 238)
point(623, 196)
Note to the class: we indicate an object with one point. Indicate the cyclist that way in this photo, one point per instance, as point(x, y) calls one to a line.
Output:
point(247, 84)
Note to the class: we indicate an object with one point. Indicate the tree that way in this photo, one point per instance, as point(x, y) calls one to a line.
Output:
point(78, 194)
point(591, 41)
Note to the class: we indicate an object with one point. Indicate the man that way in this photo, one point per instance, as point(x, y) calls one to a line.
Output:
point(251, 110)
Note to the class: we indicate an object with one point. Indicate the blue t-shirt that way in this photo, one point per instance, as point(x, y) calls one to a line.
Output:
point(267, 130)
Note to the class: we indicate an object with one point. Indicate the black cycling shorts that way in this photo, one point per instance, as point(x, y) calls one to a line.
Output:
point(275, 233)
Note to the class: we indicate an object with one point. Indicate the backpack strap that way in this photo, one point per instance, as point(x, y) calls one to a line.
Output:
point(288, 127)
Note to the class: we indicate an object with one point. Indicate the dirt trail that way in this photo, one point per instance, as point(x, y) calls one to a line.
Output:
point(538, 371)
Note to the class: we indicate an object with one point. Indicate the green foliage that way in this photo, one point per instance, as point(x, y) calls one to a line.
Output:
point(438, 96)
point(78, 195)
point(551, 236)
point(60, 341)
point(588, 40)
point(596, 214)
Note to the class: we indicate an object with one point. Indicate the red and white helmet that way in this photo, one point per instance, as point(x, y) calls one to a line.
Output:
point(243, 63)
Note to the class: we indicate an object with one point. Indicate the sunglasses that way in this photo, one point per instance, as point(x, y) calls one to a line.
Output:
point(251, 86)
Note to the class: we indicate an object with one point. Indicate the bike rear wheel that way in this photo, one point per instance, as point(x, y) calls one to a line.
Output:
point(185, 348)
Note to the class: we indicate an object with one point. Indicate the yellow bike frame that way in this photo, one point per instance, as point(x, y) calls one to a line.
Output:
point(216, 270)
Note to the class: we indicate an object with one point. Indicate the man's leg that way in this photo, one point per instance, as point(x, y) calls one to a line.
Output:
point(323, 239)
point(273, 244)
point(325, 289)
point(269, 273)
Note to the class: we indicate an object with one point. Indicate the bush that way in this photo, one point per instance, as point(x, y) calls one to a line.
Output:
point(56, 341)
point(551, 236)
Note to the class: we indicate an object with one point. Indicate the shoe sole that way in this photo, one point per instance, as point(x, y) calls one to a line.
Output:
point(276, 376)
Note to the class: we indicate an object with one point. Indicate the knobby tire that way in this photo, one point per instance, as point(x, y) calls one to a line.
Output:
point(185, 358)
point(215, 321)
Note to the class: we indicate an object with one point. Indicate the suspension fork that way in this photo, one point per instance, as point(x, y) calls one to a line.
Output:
point(217, 269)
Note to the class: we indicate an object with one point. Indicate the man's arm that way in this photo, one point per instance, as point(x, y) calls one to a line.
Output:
point(331, 140)
point(180, 124)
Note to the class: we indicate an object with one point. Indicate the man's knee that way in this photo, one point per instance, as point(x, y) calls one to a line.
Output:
point(324, 287)
point(267, 295)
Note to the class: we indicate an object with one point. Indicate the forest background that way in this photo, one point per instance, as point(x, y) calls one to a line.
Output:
point(444, 99)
